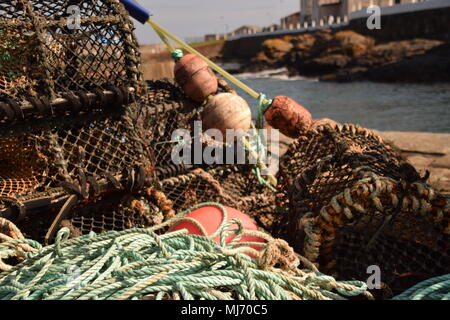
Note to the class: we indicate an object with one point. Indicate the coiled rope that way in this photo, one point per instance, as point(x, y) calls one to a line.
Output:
point(432, 289)
point(138, 263)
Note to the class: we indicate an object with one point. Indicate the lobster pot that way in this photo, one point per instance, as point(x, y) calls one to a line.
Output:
point(229, 185)
point(354, 205)
point(70, 125)
point(54, 48)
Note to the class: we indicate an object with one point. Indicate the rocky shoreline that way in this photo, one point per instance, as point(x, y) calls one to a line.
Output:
point(349, 56)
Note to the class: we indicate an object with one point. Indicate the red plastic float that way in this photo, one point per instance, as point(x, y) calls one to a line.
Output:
point(289, 117)
point(194, 76)
point(211, 217)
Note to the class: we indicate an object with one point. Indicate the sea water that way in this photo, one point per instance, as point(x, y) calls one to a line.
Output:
point(382, 106)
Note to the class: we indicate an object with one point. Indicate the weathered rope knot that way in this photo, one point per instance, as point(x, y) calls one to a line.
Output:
point(9, 229)
point(10, 237)
point(278, 253)
point(177, 54)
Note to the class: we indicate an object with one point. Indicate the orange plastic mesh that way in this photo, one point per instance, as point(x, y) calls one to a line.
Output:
point(22, 168)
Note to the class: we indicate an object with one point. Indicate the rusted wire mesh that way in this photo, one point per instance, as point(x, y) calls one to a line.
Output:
point(351, 202)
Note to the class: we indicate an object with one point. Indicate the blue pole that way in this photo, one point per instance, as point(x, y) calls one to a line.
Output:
point(136, 11)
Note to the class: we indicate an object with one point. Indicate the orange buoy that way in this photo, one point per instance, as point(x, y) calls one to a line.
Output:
point(289, 117)
point(194, 76)
point(226, 111)
point(211, 217)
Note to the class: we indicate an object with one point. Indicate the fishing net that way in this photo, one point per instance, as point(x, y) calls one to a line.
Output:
point(86, 144)
point(352, 202)
point(70, 96)
point(57, 48)
point(76, 119)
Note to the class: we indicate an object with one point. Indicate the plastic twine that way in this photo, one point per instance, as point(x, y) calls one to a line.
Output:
point(256, 147)
point(263, 105)
point(165, 40)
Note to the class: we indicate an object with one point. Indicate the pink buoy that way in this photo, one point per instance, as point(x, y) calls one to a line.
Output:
point(210, 217)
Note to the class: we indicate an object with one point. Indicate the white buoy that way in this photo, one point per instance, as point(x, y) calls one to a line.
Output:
point(226, 111)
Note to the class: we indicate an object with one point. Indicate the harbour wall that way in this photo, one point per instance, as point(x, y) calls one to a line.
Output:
point(430, 20)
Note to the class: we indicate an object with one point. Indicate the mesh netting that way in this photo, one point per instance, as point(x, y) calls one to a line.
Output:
point(76, 119)
point(96, 154)
point(52, 48)
point(352, 202)
point(230, 185)
point(70, 96)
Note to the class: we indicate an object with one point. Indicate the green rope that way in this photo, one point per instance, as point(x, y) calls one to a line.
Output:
point(263, 105)
point(138, 263)
point(432, 289)
point(263, 181)
point(255, 147)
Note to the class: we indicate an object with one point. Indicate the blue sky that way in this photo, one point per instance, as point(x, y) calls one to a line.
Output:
point(194, 18)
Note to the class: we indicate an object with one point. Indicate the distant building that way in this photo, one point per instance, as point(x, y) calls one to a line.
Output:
point(216, 36)
point(316, 10)
point(308, 11)
point(271, 28)
point(291, 21)
point(152, 48)
point(247, 30)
